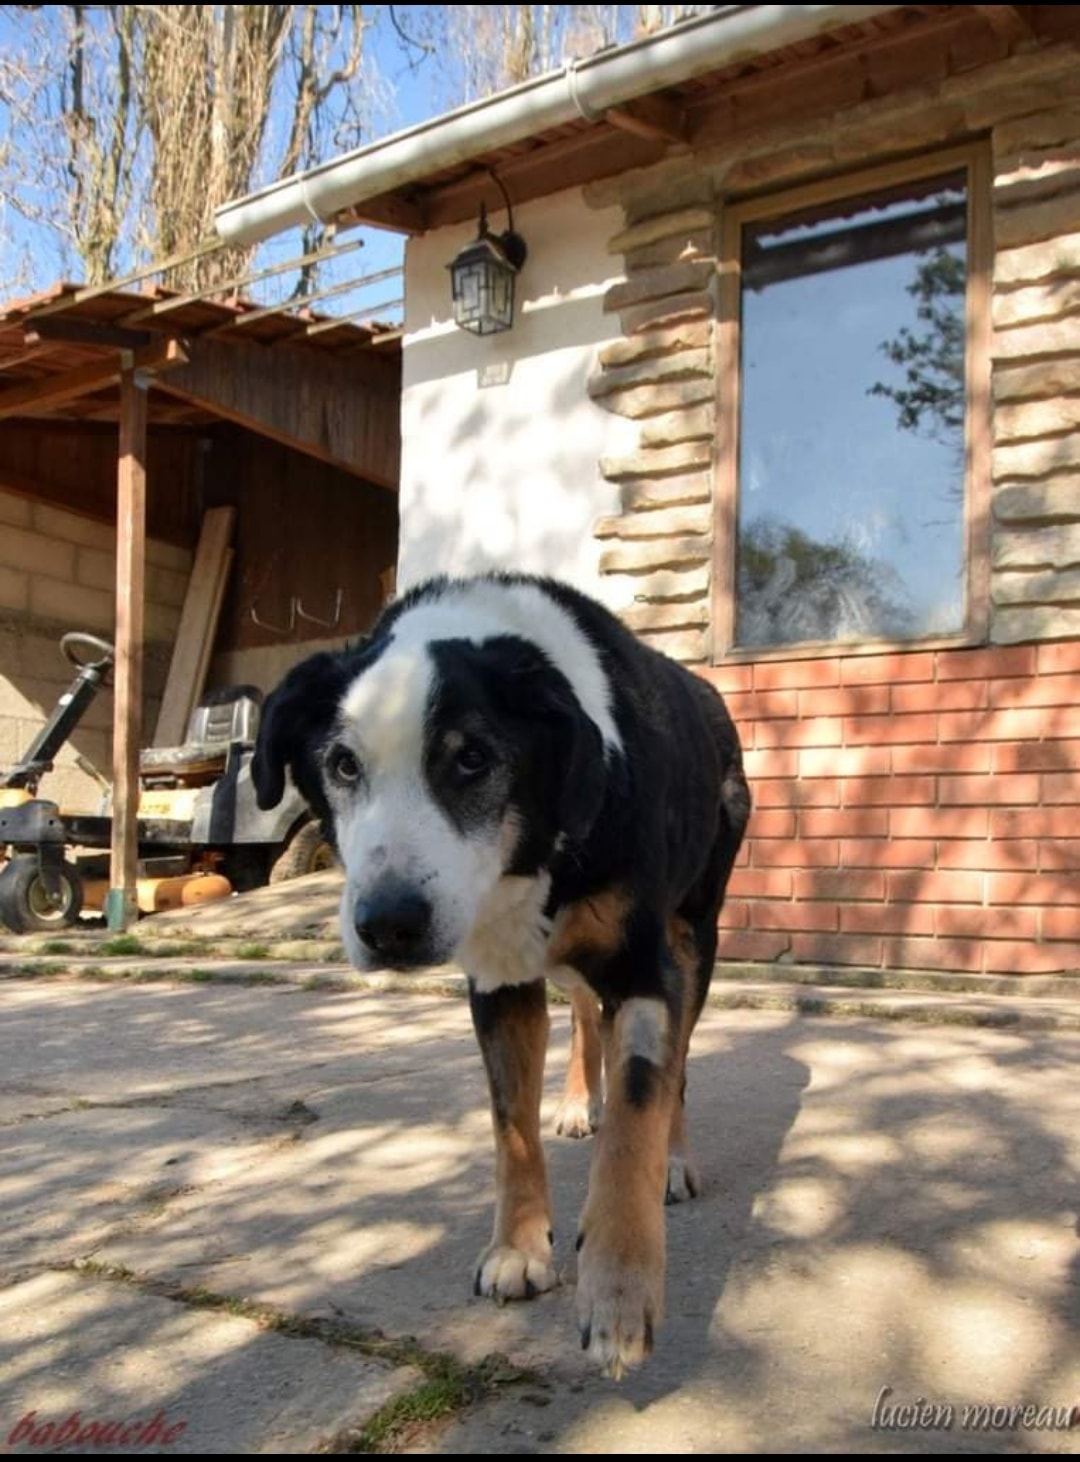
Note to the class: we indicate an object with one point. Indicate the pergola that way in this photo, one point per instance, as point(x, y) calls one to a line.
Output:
point(325, 385)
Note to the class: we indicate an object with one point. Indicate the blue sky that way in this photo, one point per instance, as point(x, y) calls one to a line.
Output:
point(402, 95)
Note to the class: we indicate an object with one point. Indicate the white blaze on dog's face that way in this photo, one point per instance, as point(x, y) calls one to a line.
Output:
point(395, 835)
point(447, 773)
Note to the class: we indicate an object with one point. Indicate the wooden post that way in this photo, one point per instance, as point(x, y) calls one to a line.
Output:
point(121, 906)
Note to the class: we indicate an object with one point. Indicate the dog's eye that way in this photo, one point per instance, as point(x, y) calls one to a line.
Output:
point(343, 767)
point(473, 759)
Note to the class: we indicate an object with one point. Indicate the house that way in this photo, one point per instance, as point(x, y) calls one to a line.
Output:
point(794, 385)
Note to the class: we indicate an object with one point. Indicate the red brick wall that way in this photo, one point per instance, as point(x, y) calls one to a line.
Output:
point(913, 811)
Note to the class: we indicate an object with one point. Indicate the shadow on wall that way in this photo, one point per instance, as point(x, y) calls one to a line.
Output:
point(508, 476)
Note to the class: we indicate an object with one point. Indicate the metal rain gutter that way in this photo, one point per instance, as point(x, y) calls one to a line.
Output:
point(585, 88)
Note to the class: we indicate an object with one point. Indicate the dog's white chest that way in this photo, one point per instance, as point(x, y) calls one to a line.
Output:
point(508, 942)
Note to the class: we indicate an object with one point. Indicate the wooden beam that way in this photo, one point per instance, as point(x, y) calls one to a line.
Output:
point(242, 280)
point(294, 306)
point(581, 157)
point(66, 331)
point(346, 413)
point(365, 312)
point(68, 385)
point(401, 215)
point(198, 626)
point(122, 905)
point(69, 297)
point(1006, 21)
point(23, 357)
point(655, 117)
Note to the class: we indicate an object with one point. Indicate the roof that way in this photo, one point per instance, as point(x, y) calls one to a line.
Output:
point(69, 328)
point(666, 96)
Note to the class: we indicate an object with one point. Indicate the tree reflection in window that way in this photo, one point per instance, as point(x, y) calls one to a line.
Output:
point(850, 515)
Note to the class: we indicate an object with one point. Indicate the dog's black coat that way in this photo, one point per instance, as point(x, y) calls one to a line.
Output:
point(631, 845)
point(662, 819)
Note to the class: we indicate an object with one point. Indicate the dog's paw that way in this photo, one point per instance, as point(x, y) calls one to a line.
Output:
point(619, 1306)
point(683, 1179)
point(504, 1273)
point(577, 1116)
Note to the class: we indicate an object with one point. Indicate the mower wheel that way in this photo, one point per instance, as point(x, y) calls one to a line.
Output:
point(307, 851)
point(25, 904)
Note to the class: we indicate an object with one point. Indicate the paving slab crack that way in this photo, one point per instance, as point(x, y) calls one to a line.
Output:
point(448, 1386)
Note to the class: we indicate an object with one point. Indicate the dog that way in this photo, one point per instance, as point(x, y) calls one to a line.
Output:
point(515, 782)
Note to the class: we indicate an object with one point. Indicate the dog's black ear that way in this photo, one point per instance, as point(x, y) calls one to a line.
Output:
point(584, 783)
point(295, 722)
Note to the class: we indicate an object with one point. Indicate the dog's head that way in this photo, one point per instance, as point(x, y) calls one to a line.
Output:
point(440, 764)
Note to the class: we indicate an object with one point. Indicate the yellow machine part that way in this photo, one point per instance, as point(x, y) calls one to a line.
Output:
point(13, 797)
point(156, 895)
point(173, 804)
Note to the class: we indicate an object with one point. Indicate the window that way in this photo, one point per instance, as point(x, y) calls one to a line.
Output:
point(853, 403)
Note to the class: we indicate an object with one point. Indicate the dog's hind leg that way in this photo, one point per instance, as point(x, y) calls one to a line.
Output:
point(682, 1176)
point(691, 960)
point(692, 939)
point(582, 1101)
point(512, 1027)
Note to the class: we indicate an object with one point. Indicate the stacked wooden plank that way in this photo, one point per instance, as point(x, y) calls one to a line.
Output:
point(198, 626)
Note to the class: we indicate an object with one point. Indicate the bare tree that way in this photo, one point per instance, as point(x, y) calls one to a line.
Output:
point(125, 126)
point(481, 49)
point(68, 152)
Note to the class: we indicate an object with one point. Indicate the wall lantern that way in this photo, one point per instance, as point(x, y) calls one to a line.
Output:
point(482, 276)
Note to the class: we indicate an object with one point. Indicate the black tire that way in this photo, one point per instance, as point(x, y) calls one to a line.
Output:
point(307, 851)
point(25, 907)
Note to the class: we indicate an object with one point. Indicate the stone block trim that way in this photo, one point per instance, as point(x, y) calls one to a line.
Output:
point(661, 372)
point(1036, 310)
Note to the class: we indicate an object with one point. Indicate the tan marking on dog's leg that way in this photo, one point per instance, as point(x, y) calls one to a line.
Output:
point(593, 926)
point(683, 1179)
point(620, 1293)
point(582, 1100)
point(512, 1026)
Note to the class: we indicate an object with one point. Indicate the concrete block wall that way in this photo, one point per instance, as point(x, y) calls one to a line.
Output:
point(57, 573)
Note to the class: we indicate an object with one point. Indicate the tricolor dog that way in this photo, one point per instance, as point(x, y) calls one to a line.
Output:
point(514, 782)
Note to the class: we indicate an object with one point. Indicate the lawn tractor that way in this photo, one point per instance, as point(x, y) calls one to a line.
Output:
point(201, 835)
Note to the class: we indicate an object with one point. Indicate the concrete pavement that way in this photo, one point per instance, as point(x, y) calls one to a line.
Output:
point(255, 1210)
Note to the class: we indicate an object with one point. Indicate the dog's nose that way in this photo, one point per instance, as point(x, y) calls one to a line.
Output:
point(393, 923)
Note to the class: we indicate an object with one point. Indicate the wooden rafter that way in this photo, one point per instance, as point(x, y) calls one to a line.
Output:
point(580, 157)
point(56, 329)
point(389, 212)
point(1007, 21)
point(656, 117)
point(68, 385)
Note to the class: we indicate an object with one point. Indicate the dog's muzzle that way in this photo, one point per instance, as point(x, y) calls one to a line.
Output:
point(393, 923)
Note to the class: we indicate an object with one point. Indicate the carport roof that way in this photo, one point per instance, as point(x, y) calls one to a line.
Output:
point(61, 351)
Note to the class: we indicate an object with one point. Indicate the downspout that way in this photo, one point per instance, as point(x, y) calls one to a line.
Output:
point(585, 88)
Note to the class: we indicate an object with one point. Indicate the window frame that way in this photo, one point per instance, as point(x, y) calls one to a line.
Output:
point(974, 159)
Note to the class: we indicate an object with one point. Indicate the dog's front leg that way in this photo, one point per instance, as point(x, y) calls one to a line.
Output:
point(512, 1026)
point(620, 1290)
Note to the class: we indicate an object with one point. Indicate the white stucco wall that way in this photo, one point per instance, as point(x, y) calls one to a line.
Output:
point(500, 441)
